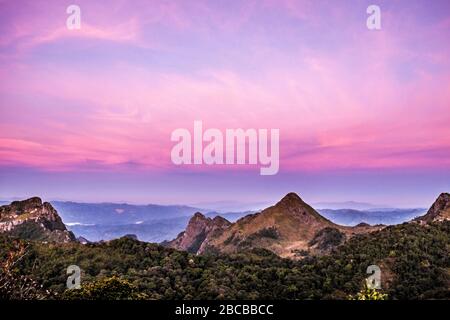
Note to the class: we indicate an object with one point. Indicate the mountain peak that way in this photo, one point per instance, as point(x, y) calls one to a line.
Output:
point(439, 211)
point(27, 203)
point(199, 216)
point(220, 220)
point(197, 232)
point(285, 229)
point(290, 199)
point(444, 196)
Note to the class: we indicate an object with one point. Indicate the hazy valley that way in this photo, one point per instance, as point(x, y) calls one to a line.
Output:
point(158, 223)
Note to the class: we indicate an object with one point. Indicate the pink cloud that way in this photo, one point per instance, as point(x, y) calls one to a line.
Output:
point(363, 104)
point(125, 32)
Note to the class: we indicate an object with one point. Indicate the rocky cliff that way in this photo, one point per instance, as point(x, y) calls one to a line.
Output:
point(439, 211)
point(199, 231)
point(34, 220)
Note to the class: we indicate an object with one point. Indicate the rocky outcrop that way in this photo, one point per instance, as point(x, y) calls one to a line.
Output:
point(439, 211)
point(32, 219)
point(198, 232)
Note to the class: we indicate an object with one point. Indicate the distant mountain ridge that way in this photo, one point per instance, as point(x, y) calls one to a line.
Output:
point(290, 228)
point(354, 205)
point(352, 217)
point(151, 223)
point(158, 223)
point(118, 213)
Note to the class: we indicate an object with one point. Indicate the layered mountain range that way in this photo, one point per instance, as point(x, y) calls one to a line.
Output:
point(291, 228)
point(288, 228)
point(150, 222)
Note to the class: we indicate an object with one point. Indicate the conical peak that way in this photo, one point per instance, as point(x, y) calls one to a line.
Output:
point(291, 199)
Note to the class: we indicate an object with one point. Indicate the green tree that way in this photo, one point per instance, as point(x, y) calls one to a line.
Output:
point(369, 294)
point(112, 288)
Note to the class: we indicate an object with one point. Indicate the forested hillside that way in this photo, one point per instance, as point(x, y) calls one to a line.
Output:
point(414, 260)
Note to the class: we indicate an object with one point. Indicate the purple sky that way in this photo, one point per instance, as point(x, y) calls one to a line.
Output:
point(87, 114)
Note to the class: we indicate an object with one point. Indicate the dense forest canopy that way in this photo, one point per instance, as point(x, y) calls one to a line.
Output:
point(414, 260)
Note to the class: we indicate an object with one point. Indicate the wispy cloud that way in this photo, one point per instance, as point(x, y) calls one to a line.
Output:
point(106, 97)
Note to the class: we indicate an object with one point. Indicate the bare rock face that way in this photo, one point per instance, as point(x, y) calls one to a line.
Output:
point(198, 232)
point(33, 220)
point(439, 211)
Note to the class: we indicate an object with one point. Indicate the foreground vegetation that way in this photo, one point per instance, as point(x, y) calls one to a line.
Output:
point(414, 260)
